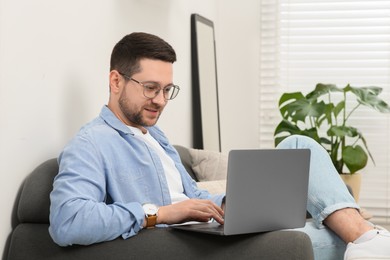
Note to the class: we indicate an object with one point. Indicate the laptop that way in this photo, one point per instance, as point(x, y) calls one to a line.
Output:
point(266, 190)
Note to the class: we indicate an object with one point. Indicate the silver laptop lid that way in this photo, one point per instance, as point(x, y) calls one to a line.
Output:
point(266, 190)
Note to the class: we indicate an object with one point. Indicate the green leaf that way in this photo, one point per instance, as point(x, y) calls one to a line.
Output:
point(313, 133)
point(287, 126)
point(295, 107)
point(287, 97)
point(288, 104)
point(368, 96)
point(365, 145)
point(339, 108)
point(279, 139)
point(355, 158)
point(322, 89)
point(326, 111)
point(372, 89)
point(342, 131)
point(324, 140)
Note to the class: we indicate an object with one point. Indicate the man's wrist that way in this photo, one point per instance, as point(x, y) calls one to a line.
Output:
point(151, 213)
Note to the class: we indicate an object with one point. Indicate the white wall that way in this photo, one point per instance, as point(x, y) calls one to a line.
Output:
point(54, 62)
point(238, 38)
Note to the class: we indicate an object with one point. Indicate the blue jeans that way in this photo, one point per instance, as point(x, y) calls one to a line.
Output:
point(327, 193)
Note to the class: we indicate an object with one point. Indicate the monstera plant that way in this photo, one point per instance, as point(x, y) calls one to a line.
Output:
point(323, 115)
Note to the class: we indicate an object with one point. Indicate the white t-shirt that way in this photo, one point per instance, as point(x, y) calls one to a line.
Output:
point(171, 173)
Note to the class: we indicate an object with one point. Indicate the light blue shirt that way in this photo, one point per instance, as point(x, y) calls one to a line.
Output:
point(105, 175)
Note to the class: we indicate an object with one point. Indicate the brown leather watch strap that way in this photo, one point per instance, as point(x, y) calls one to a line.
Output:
point(151, 221)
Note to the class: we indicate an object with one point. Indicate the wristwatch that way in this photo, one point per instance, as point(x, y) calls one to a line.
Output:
point(151, 211)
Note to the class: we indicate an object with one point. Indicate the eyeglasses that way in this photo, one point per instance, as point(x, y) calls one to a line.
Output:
point(152, 89)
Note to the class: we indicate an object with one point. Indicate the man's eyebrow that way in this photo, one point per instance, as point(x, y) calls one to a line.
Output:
point(158, 83)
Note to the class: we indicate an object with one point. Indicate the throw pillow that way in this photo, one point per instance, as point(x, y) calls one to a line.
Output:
point(209, 165)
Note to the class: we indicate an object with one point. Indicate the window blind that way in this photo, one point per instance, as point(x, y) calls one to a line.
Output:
point(305, 42)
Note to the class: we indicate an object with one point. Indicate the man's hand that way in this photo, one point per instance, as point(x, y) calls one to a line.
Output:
point(190, 210)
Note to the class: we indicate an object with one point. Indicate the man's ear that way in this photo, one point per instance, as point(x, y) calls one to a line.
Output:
point(115, 79)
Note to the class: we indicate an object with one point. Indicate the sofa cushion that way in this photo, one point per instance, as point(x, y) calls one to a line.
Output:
point(33, 242)
point(208, 165)
point(214, 187)
point(186, 160)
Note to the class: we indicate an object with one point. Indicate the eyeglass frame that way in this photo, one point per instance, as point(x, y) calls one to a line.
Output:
point(176, 88)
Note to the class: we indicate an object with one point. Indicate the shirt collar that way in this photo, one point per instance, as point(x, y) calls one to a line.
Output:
point(108, 116)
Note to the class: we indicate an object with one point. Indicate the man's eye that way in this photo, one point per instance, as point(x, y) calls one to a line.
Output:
point(151, 87)
point(168, 89)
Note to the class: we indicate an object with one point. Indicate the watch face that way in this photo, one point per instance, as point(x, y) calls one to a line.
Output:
point(150, 209)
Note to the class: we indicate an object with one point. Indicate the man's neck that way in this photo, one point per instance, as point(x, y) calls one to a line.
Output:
point(126, 122)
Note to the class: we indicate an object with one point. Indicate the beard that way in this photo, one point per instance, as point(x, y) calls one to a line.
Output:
point(134, 114)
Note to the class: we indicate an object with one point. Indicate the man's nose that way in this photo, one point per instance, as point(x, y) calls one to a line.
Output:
point(159, 99)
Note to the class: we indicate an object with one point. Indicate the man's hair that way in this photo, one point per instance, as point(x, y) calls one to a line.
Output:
point(133, 47)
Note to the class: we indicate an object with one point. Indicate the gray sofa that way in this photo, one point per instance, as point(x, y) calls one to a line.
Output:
point(30, 238)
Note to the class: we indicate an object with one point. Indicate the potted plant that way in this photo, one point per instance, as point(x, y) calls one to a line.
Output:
point(323, 115)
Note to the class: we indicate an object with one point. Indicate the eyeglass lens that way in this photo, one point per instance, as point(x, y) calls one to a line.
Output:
point(152, 90)
point(169, 92)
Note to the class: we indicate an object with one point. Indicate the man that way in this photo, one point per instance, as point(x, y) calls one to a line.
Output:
point(120, 174)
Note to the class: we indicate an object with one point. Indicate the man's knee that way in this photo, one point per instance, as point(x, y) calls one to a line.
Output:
point(297, 141)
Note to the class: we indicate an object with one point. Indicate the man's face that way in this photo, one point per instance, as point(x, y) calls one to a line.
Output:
point(136, 109)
